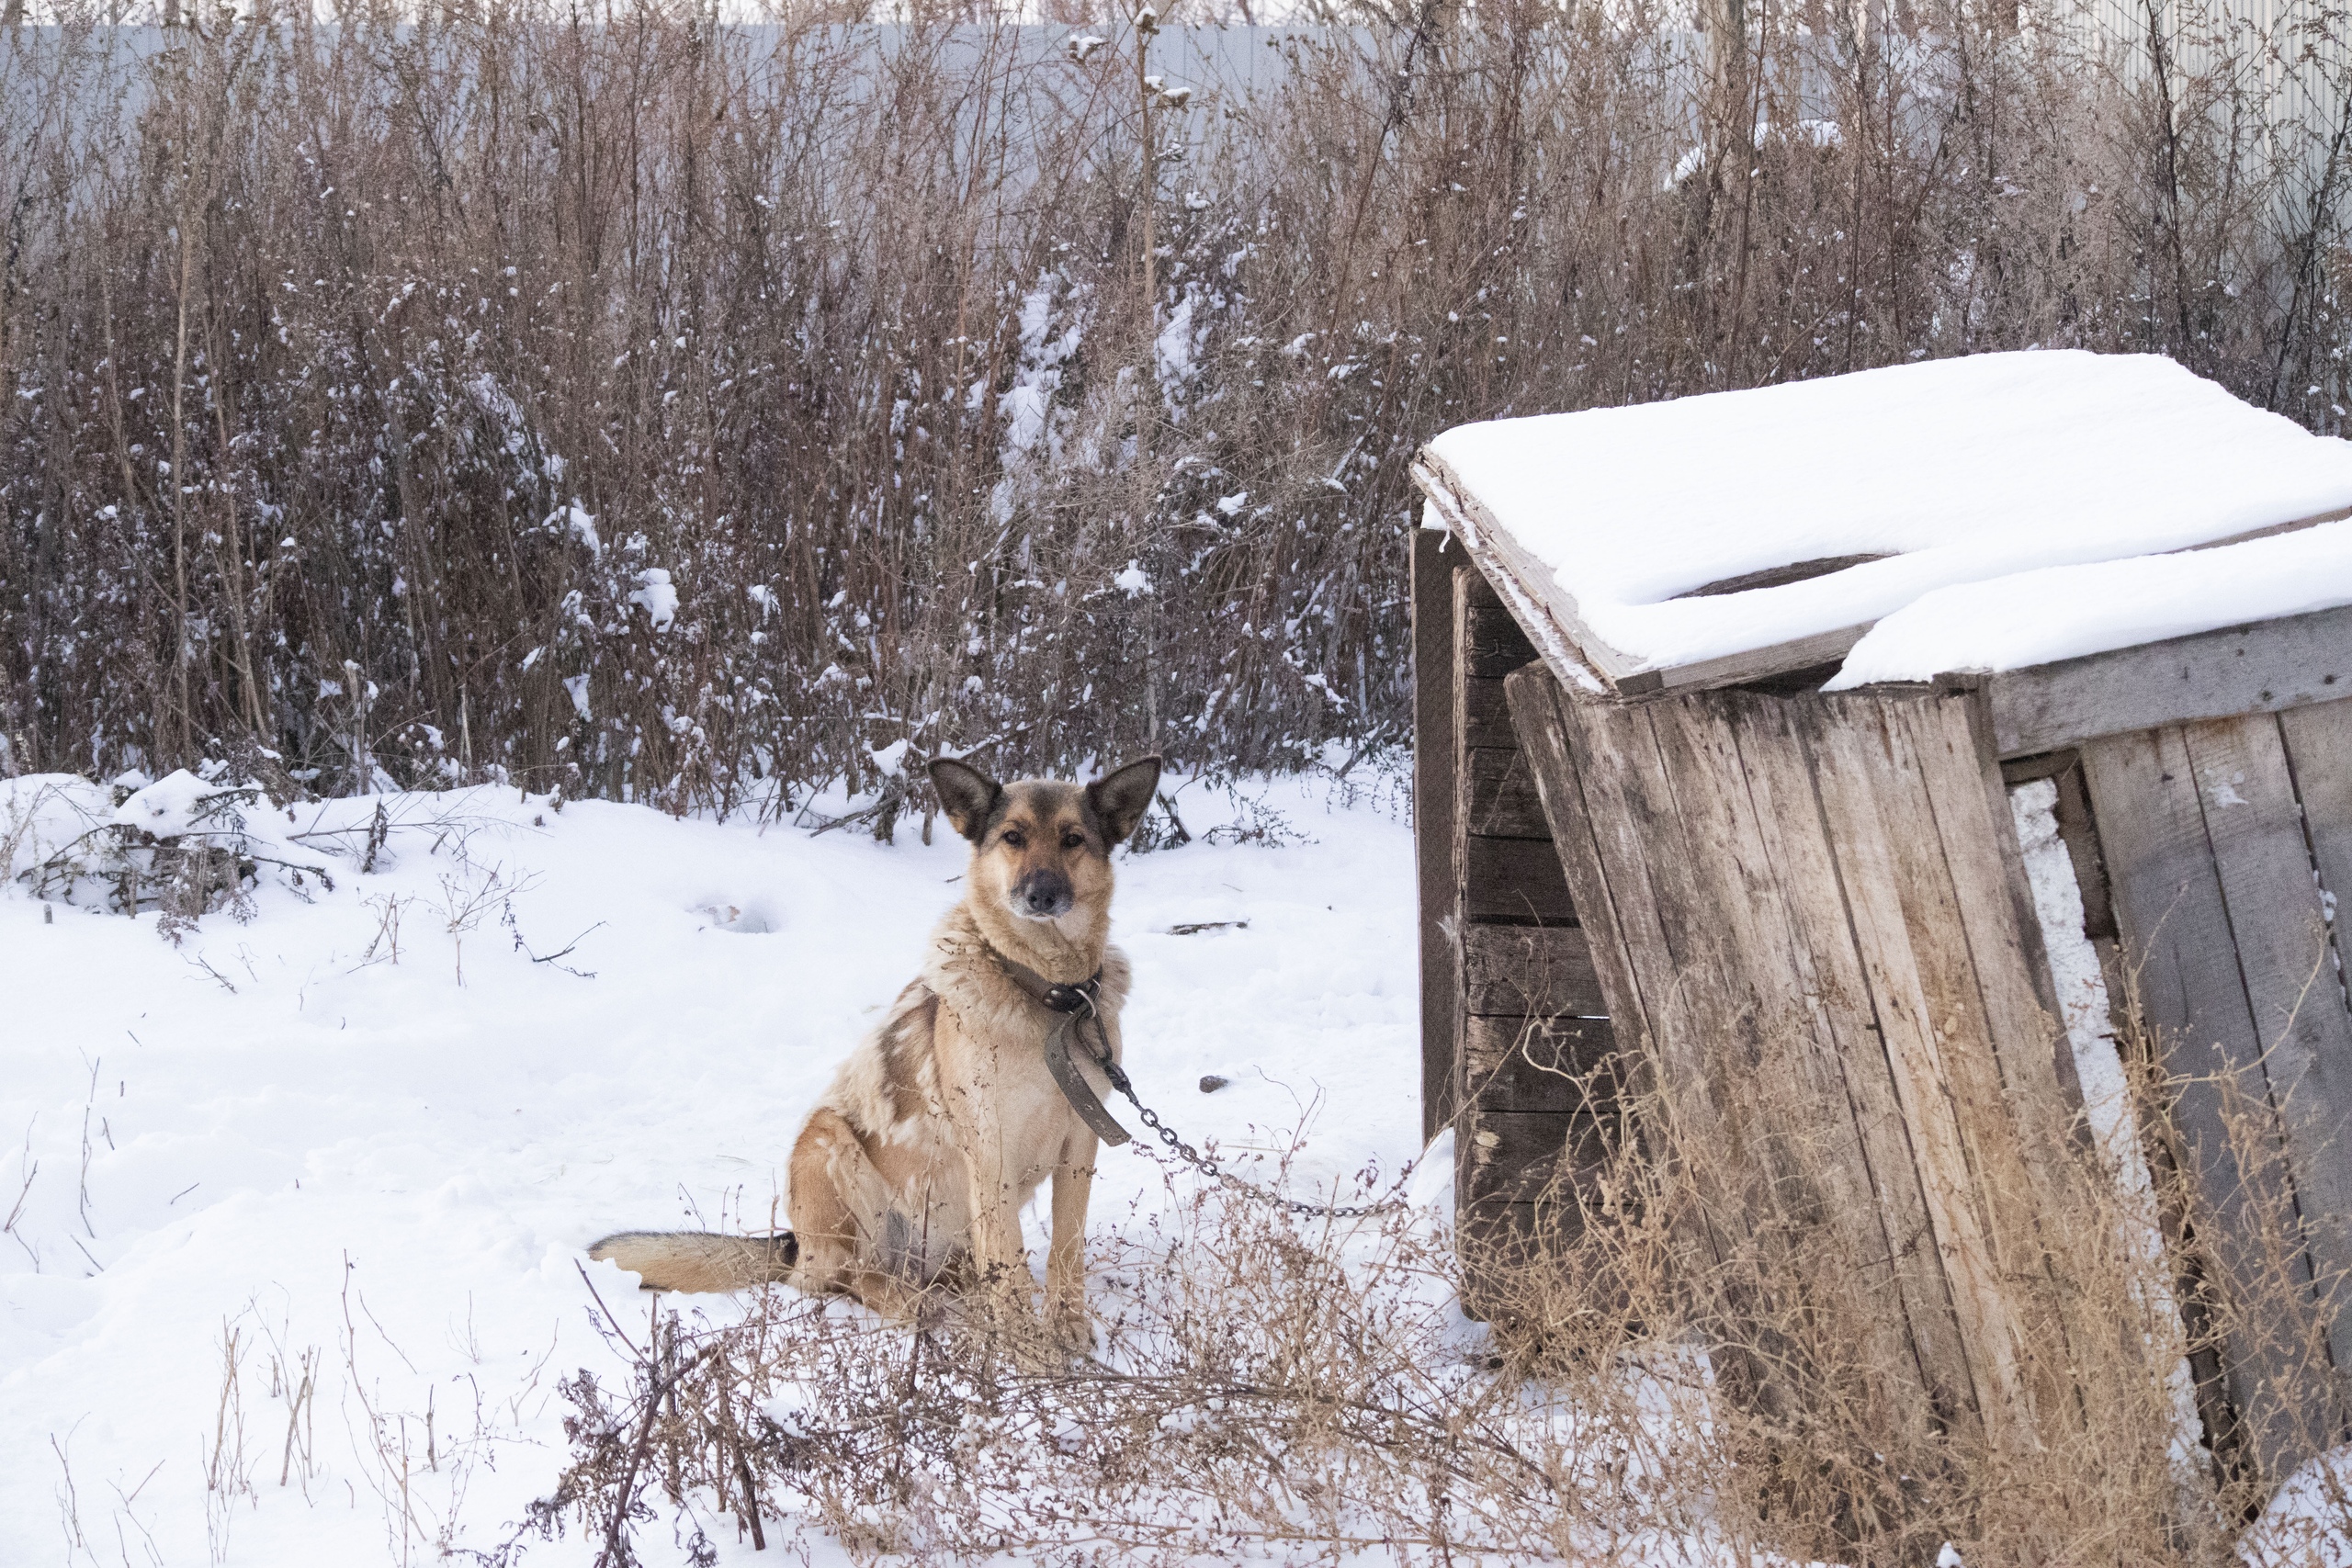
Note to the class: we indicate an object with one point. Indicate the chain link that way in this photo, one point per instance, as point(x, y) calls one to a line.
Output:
point(1210, 1168)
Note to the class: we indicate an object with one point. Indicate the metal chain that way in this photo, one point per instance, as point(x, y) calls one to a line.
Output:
point(1209, 1167)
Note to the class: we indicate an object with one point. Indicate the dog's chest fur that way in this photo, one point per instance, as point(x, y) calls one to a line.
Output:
point(962, 1040)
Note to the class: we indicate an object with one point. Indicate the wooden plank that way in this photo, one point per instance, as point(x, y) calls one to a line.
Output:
point(1824, 966)
point(1504, 876)
point(1477, 590)
point(1646, 852)
point(1492, 645)
point(1539, 710)
point(1801, 1133)
point(1499, 799)
point(1610, 792)
point(1781, 576)
point(1831, 647)
point(1739, 669)
point(2255, 823)
point(1962, 770)
point(1557, 1065)
point(1478, 535)
point(1435, 817)
point(1466, 592)
point(2186, 1279)
point(1514, 882)
point(2319, 747)
point(1519, 1156)
point(2015, 1080)
point(1521, 1257)
point(1498, 1235)
point(2185, 980)
point(1920, 989)
point(1529, 971)
point(2265, 668)
point(1543, 730)
point(1485, 714)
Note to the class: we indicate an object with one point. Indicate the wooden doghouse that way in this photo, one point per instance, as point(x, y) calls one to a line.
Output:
point(1721, 704)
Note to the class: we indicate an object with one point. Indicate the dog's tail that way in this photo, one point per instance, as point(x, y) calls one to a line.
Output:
point(697, 1260)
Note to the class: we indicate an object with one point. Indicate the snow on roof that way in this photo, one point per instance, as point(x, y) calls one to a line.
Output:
point(1954, 470)
point(2066, 611)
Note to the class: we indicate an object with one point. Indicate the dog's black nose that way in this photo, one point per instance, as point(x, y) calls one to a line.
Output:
point(1043, 894)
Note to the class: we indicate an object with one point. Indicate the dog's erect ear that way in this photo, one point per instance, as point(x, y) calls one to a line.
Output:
point(1120, 799)
point(969, 794)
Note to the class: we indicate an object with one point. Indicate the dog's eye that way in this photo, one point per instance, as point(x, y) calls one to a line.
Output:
point(1015, 838)
point(1073, 839)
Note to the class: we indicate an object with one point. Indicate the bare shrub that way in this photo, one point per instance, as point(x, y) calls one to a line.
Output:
point(691, 413)
point(186, 862)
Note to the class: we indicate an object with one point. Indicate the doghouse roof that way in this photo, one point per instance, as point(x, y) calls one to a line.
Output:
point(1986, 513)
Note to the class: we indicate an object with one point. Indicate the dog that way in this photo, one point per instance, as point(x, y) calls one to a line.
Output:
point(914, 1166)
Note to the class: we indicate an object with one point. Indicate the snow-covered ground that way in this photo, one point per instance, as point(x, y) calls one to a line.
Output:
point(289, 1143)
point(292, 1213)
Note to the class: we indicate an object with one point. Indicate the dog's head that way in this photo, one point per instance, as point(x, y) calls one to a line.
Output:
point(1040, 847)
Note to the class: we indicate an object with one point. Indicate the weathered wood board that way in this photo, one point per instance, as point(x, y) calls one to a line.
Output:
point(1434, 818)
point(1800, 922)
point(2264, 668)
point(1552, 1066)
point(1806, 914)
point(1501, 803)
point(1531, 1046)
point(1504, 882)
point(1531, 971)
point(1485, 714)
point(2224, 847)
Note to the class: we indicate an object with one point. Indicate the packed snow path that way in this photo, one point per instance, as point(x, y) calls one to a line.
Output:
point(276, 1140)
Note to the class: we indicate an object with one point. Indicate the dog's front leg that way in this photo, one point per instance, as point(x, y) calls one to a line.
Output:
point(1066, 1258)
point(975, 1115)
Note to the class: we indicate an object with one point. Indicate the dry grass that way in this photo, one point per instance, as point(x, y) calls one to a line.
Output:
point(893, 350)
point(1259, 1387)
point(1298, 1390)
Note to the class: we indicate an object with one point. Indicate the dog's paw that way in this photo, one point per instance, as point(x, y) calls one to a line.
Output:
point(1071, 1331)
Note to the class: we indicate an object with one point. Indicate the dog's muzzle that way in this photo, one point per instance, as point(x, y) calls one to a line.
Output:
point(1043, 896)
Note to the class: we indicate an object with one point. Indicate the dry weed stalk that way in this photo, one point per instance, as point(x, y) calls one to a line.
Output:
point(227, 1470)
point(30, 1167)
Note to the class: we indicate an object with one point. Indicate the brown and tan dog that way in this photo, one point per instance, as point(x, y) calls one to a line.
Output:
point(945, 1119)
